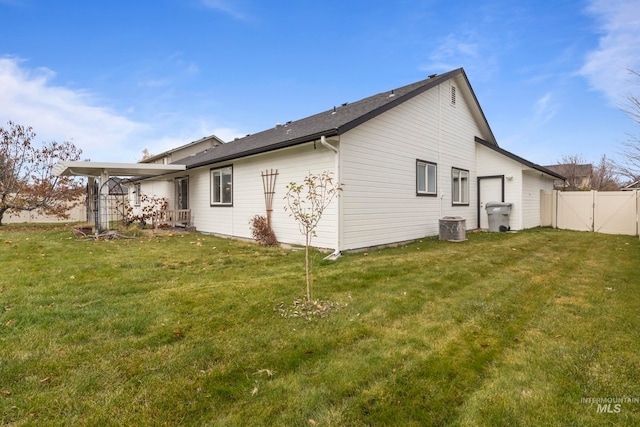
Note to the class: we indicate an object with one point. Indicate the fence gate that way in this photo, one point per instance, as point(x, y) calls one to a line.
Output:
point(575, 210)
point(610, 212)
point(615, 212)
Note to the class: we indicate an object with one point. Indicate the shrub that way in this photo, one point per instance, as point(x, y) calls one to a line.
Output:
point(262, 232)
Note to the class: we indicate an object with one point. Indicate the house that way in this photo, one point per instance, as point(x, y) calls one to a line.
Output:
point(632, 186)
point(105, 185)
point(578, 176)
point(183, 151)
point(406, 158)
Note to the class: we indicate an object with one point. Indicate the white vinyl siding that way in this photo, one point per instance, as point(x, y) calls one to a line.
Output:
point(493, 163)
point(522, 186)
point(532, 183)
point(380, 175)
point(382, 208)
point(293, 164)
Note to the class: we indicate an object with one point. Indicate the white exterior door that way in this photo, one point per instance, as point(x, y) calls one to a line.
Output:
point(490, 189)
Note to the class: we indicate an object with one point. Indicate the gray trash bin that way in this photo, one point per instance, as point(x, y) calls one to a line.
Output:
point(498, 213)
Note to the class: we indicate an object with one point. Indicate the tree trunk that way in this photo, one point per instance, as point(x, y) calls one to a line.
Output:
point(306, 262)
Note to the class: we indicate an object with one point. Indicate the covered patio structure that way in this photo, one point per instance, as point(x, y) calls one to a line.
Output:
point(102, 171)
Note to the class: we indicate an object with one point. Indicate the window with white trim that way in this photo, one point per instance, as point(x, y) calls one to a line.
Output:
point(459, 186)
point(222, 186)
point(426, 181)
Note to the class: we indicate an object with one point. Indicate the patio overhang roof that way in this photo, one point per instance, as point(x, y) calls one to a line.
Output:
point(96, 169)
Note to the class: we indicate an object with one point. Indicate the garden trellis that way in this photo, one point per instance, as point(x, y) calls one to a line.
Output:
point(269, 186)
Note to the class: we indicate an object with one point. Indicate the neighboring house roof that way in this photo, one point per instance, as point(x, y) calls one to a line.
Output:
point(212, 140)
point(329, 123)
point(576, 170)
point(519, 159)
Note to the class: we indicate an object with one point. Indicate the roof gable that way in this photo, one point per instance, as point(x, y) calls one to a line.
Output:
point(332, 122)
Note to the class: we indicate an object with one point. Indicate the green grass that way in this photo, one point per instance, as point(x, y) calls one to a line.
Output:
point(180, 329)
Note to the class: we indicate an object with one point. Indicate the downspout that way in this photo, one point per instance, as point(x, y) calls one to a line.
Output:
point(439, 145)
point(336, 252)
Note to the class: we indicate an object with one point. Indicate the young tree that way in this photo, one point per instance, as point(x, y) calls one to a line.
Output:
point(306, 203)
point(26, 179)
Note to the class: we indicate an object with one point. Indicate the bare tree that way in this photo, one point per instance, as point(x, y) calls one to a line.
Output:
point(576, 170)
point(26, 179)
point(604, 176)
point(146, 154)
point(629, 167)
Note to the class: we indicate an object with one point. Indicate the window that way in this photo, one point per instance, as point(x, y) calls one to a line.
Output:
point(426, 178)
point(459, 186)
point(221, 186)
point(182, 193)
point(136, 194)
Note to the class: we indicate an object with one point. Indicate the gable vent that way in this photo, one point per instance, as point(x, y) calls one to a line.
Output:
point(453, 95)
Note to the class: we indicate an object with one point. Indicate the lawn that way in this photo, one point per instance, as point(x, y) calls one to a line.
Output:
point(531, 328)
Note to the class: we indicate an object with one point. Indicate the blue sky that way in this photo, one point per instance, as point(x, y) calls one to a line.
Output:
point(116, 77)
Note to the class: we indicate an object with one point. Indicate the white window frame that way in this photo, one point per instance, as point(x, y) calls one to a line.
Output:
point(430, 186)
point(459, 187)
point(221, 189)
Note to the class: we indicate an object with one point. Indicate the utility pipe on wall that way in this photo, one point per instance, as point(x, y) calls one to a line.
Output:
point(336, 252)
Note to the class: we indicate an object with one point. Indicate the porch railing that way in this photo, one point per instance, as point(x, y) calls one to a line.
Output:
point(172, 218)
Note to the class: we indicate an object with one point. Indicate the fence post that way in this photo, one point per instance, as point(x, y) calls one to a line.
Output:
point(637, 212)
point(554, 209)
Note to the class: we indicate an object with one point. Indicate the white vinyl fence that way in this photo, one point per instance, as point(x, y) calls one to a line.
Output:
point(610, 212)
point(76, 214)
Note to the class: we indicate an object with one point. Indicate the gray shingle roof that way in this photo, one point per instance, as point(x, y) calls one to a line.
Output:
point(543, 169)
point(574, 169)
point(328, 123)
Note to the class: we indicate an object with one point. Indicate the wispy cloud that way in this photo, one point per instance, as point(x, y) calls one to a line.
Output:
point(544, 109)
point(230, 7)
point(606, 68)
point(466, 50)
point(154, 83)
point(173, 68)
point(30, 98)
